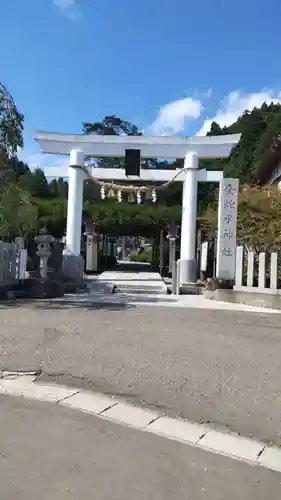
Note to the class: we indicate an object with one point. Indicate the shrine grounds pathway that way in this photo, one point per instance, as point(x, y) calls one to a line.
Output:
point(218, 367)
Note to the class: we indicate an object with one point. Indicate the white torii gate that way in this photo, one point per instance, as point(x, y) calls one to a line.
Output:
point(79, 147)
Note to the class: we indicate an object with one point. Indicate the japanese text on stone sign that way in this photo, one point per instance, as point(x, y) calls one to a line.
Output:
point(229, 205)
point(226, 247)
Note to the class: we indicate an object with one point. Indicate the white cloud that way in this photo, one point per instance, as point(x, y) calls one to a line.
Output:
point(234, 105)
point(32, 159)
point(198, 94)
point(38, 160)
point(69, 8)
point(172, 117)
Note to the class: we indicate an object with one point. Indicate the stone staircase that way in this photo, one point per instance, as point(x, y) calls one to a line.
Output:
point(138, 288)
point(134, 283)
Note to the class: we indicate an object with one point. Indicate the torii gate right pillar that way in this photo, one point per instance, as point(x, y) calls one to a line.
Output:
point(188, 265)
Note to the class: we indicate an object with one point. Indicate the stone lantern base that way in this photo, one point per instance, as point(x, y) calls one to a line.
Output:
point(40, 288)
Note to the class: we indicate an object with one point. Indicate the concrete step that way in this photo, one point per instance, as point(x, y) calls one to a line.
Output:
point(192, 288)
point(146, 287)
point(129, 282)
point(142, 291)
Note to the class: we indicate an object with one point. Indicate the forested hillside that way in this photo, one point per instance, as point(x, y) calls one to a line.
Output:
point(257, 148)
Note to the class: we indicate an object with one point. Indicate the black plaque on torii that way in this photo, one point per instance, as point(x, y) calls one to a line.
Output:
point(132, 162)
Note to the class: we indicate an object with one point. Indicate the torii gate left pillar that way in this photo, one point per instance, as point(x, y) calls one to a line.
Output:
point(74, 202)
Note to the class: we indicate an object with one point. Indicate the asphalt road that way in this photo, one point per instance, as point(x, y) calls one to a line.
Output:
point(209, 366)
point(49, 452)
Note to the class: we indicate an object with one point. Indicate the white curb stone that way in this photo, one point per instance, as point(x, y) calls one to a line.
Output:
point(177, 429)
point(120, 412)
point(14, 375)
point(130, 415)
point(24, 386)
point(271, 458)
point(89, 402)
point(232, 445)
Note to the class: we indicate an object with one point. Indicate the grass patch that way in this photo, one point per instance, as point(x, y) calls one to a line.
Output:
point(145, 256)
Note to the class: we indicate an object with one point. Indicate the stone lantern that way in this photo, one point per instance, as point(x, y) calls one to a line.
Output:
point(44, 251)
point(42, 286)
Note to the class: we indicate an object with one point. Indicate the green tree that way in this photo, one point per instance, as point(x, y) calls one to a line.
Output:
point(58, 188)
point(11, 136)
point(11, 124)
point(110, 125)
point(18, 214)
point(263, 150)
point(258, 218)
point(91, 191)
point(52, 214)
point(216, 129)
point(249, 157)
point(36, 184)
point(131, 219)
point(113, 125)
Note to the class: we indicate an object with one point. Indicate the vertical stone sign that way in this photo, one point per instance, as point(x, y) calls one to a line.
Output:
point(227, 220)
point(204, 256)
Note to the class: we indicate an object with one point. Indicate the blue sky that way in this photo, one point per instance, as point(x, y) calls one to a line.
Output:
point(168, 66)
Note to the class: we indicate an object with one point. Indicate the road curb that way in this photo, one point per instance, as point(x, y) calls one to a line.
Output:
point(146, 420)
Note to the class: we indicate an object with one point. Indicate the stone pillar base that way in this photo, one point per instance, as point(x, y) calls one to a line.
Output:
point(188, 271)
point(39, 288)
point(73, 267)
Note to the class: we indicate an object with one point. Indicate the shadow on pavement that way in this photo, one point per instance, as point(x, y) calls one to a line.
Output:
point(62, 305)
point(90, 306)
point(15, 304)
point(119, 302)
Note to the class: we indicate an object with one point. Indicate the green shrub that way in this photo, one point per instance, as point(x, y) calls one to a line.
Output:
point(145, 256)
